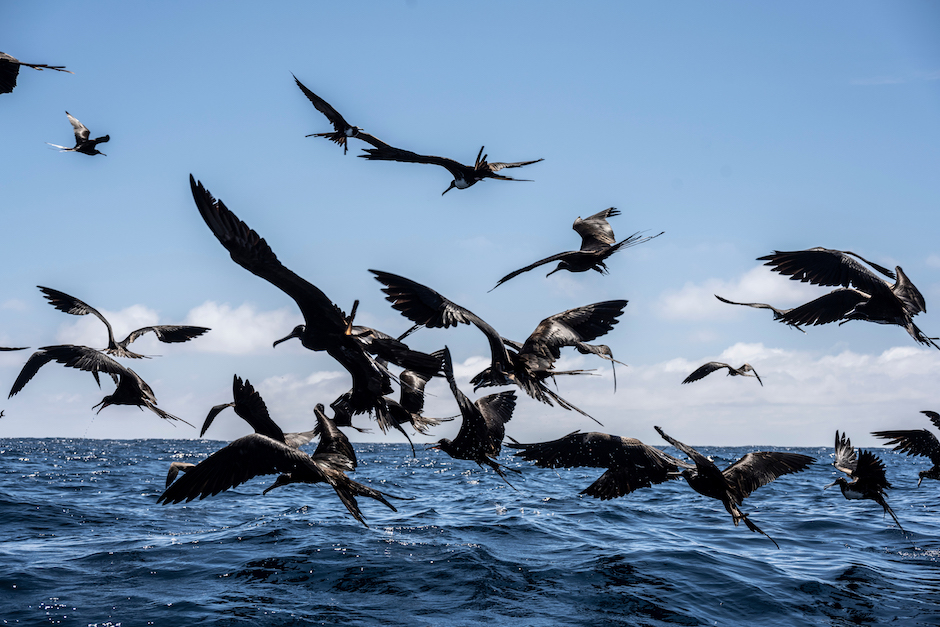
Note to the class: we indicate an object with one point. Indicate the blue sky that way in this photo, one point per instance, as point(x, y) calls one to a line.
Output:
point(736, 128)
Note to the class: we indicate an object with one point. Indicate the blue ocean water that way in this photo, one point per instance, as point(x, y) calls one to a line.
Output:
point(83, 542)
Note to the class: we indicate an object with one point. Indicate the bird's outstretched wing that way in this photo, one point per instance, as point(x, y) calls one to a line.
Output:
point(250, 251)
point(541, 262)
point(760, 468)
point(167, 333)
point(81, 131)
point(72, 356)
point(846, 459)
point(822, 266)
point(828, 308)
point(699, 459)
point(913, 442)
point(337, 120)
point(71, 305)
point(704, 370)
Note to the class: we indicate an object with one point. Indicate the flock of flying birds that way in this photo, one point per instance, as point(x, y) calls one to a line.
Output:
point(367, 353)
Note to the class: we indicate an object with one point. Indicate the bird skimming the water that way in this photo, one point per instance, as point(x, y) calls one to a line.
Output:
point(733, 484)
point(867, 473)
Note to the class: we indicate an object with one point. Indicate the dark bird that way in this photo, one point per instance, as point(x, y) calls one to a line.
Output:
point(712, 366)
point(427, 308)
point(343, 130)
point(257, 454)
point(597, 244)
point(169, 333)
point(464, 175)
point(917, 442)
point(733, 484)
point(131, 389)
point(630, 464)
point(10, 69)
point(83, 144)
point(871, 298)
point(483, 425)
point(326, 327)
point(778, 313)
point(867, 473)
point(2, 413)
point(527, 365)
point(251, 408)
point(532, 362)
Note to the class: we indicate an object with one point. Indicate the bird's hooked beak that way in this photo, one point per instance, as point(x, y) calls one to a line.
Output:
point(297, 332)
point(920, 478)
point(452, 185)
point(826, 487)
point(104, 403)
point(555, 270)
point(433, 447)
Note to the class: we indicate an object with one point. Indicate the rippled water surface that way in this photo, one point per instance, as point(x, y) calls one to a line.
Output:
point(83, 542)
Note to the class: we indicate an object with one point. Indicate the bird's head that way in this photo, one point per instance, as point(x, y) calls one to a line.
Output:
point(562, 265)
point(452, 185)
point(839, 482)
point(104, 403)
point(282, 480)
point(298, 332)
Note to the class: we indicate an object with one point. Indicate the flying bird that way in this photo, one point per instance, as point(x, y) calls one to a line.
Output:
point(258, 454)
point(706, 369)
point(250, 407)
point(630, 463)
point(131, 389)
point(917, 442)
point(10, 69)
point(867, 473)
point(778, 313)
point(168, 333)
point(869, 298)
point(483, 425)
point(343, 130)
point(532, 362)
point(597, 244)
point(733, 484)
point(83, 144)
point(464, 175)
point(325, 328)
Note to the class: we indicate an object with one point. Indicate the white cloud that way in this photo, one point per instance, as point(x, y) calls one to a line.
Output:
point(241, 330)
point(758, 285)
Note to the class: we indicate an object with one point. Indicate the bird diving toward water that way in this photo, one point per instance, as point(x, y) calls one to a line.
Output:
point(917, 442)
point(10, 69)
point(733, 484)
point(778, 313)
point(464, 175)
point(257, 454)
point(131, 389)
point(867, 473)
point(168, 333)
point(326, 327)
point(343, 130)
point(83, 144)
point(712, 366)
point(630, 464)
point(871, 298)
point(597, 244)
point(483, 425)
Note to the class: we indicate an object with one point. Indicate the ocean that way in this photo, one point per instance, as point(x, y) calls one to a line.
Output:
point(84, 542)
